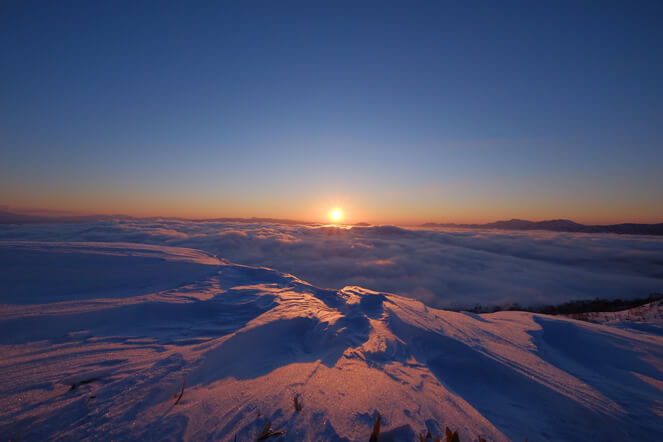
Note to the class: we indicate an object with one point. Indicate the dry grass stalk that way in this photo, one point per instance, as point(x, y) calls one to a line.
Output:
point(452, 437)
point(267, 432)
point(181, 393)
point(75, 385)
point(428, 436)
point(376, 429)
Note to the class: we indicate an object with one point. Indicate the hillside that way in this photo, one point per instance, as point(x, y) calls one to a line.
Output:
point(648, 317)
point(107, 359)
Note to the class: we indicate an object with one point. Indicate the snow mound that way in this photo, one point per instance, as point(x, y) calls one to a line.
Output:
point(107, 358)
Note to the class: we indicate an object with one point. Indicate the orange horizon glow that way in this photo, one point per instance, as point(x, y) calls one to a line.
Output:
point(391, 215)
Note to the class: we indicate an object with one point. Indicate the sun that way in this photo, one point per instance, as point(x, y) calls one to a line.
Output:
point(336, 215)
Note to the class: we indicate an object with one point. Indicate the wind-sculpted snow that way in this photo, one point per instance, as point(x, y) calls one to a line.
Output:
point(248, 340)
point(452, 268)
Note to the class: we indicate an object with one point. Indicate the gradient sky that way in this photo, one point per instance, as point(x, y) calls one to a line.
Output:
point(397, 112)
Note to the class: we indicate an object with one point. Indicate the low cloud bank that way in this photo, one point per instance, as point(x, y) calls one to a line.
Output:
point(453, 268)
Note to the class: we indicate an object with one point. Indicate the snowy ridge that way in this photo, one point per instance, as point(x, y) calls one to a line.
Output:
point(108, 361)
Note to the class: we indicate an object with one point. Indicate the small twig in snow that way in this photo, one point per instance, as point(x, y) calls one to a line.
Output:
point(267, 432)
point(83, 382)
point(181, 393)
point(452, 437)
point(376, 429)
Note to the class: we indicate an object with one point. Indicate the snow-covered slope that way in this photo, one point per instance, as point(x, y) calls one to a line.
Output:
point(106, 359)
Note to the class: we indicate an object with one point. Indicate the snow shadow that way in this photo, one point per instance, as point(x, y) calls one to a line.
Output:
point(610, 363)
point(519, 406)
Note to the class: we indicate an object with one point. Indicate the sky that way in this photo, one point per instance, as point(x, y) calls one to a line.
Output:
point(395, 112)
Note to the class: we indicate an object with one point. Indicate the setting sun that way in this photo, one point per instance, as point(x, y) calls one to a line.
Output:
point(336, 215)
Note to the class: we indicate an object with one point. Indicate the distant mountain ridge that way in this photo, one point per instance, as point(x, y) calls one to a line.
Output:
point(561, 225)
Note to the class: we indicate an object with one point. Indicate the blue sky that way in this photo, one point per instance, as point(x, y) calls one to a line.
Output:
point(395, 111)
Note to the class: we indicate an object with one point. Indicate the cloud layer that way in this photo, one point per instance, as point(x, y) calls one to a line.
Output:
point(443, 268)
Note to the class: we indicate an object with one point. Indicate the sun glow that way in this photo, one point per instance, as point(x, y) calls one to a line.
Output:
point(336, 215)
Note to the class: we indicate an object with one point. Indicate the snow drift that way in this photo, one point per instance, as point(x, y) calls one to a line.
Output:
point(108, 358)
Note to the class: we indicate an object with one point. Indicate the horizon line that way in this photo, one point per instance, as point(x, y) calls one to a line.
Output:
point(62, 215)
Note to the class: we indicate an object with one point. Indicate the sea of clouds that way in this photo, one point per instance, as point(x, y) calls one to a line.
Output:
point(443, 268)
